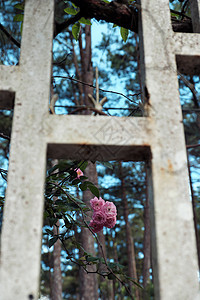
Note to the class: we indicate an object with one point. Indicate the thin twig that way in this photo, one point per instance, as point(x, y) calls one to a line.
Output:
point(9, 36)
point(104, 108)
point(189, 85)
point(190, 110)
point(62, 60)
point(2, 135)
point(192, 146)
point(60, 27)
point(184, 7)
point(88, 108)
point(179, 14)
point(90, 85)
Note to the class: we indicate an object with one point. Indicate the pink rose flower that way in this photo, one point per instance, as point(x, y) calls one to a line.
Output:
point(79, 173)
point(96, 203)
point(110, 222)
point(109, 209)
point(95, 227)
point(99, 217)
point(104, 214)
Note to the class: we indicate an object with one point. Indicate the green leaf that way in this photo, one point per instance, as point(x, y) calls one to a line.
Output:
point(92, 259)
point(75, 181)
point(174, 15)
point(49, 232)
point(106, 164)
point(116, 268)
point(18, 18)
point(21, 27)
point(67, 223)
point(71, 206)
point(76, 30)
point(111, 276)
point(73, 5)
point(94, 190)
point(70, 11)
point(135, 282)
point(57, 193)
point(76, 199)
point(83, 177)
point(53, 241)
point(88, 182)
point(19, 6)
point(52, 221)
point(83, 186)
point(51, 170)
point(85, 209)
point(83, 165)
point(124, 33)
point(85, 21)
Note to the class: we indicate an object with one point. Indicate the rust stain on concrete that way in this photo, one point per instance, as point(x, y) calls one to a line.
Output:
point(170, 166)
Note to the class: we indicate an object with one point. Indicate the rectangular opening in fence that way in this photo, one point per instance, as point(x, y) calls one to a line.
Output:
point(189, 89)
point(97, 230)
point(180, 12)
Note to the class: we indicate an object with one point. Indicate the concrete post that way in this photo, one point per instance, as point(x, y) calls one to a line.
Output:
point(173, 239)
point(23, 214)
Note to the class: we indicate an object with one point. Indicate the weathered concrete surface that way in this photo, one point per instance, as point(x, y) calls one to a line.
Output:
point(173, 239)
point(23, 214)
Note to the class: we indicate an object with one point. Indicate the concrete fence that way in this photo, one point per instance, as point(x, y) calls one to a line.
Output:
point(158, 137)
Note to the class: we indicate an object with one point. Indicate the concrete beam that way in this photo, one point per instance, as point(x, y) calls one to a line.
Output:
point(97, 137)
point(186, 48)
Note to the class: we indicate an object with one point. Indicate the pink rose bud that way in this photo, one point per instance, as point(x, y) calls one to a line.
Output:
point(79, 173)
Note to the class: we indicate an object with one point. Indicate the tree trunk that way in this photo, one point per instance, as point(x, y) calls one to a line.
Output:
point(57, 275)
point(87, 291)
point(194, 213)
point(86, 65)
point(56, 279)
point(106, 292)
point(132, 271)
point(147, 242)
point(88, 282)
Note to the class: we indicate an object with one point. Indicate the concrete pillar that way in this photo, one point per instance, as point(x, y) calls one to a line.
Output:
point(23, 213)
point(174, 250)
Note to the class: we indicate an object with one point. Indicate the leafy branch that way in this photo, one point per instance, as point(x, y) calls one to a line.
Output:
point(88, 258)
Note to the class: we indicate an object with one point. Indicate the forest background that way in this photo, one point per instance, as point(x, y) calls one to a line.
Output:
point(73, 265)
